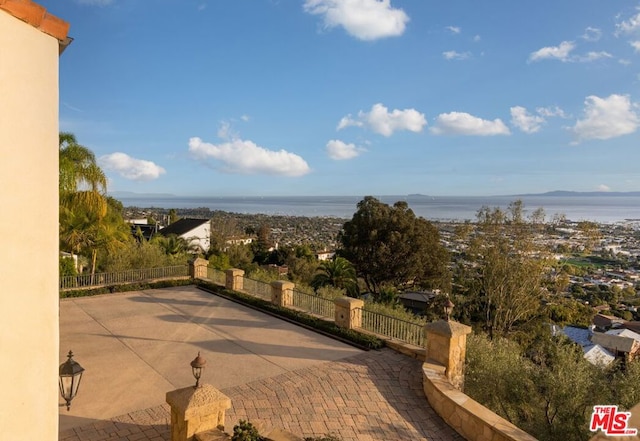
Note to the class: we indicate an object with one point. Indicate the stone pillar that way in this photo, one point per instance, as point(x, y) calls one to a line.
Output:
point(195, 410)
point(198, 268)
point(446, 343)
point(234, 279)
point(282, 293)
point(348, 312)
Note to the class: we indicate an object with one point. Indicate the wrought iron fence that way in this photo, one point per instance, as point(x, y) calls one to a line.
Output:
point(257, 288)
point(120, 277)
point(408, 332)
point(314, 304)
point(217, 276)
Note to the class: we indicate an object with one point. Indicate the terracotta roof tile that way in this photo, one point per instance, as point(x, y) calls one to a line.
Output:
point(38, 17)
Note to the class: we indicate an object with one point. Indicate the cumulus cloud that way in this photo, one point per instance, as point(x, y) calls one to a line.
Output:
point(592, 34)
point(525, 121)
point(604, 187)
point(460, 123)
point(454, 29)
point(629, 26)
point(363, 19)
point(606, 118)
point(551, 112)
point(453, 55)
point(340, 150)
point(245, 157)
point(560, 52)
point(636, 45)
point(131, 168)
point(381, 121)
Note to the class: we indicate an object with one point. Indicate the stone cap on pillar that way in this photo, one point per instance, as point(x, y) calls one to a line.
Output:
point(447, 328)
point(349, 302)
point(192, 401)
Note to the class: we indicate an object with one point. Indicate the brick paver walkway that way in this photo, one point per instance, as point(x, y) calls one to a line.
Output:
point(376, 395)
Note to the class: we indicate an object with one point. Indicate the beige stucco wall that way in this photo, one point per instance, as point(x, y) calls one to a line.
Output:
point(29, 231)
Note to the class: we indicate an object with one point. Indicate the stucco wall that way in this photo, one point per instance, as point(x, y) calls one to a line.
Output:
point(29, 231)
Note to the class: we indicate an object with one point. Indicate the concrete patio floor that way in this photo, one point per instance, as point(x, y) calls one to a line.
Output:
point(137, 346)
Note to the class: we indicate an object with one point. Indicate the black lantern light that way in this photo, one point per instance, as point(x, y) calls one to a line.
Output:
point(448, 308)
point(70, 376)
point(197, 365)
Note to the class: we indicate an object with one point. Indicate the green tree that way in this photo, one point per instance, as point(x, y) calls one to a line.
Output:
point(172, 244)
point(82, 183)
point(389, 245)
point(505, 269)
point(339, 273)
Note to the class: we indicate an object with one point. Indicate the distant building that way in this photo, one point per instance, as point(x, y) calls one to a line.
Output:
point(325, 255)
point(195, 231)
point(593, 352)
point(620, 342)
point(417, 301)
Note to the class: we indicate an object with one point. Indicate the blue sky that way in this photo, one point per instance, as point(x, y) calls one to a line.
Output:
point(355, 97)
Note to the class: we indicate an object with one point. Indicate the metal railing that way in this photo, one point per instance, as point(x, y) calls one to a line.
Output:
point(314, 304)
point(408, 332)
point(121, 277)
point(217, 276)
point(257, 288)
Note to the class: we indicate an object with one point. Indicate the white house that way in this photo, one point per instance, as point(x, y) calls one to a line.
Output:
point(195, 231)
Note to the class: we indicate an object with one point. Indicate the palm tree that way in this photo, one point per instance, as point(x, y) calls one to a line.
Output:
point(172, 244)
point(338, 273)
point(82, 182)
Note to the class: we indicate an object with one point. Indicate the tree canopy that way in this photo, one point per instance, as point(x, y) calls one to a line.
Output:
point(389, 245)
point(503, 269)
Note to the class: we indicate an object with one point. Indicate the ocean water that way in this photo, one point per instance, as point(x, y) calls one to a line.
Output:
point(603, 209)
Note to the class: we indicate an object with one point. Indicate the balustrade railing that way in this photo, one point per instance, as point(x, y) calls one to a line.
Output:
point(408, 332)
point(314, 304)
point(217, 276)
point(257, 288)
point(120, 277)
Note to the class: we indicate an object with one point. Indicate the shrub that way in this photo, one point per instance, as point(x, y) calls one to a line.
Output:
point(245, 431)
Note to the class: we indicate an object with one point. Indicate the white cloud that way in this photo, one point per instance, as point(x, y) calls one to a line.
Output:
point(454, 29)
point(453, 55)
point(593, 56)
point(560, 52)
point(226, 131)
point(604, 187)
point(348, 121)
point(363, 19)
point(381, 121)
point(628, 26)
point(592, 34)
point(551, 112)
point(636, 45)
point(131, 168)
point(339, 150)
point(525, 121)
point(476, 38)
point(460, 123)
point(606, 118)
point(245, 157)
point(245, 118)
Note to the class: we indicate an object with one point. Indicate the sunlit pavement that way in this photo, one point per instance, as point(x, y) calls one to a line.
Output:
point(137, 346)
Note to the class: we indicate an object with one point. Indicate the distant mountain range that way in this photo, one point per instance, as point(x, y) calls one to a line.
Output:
point(584, 193)
point(131, 194)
